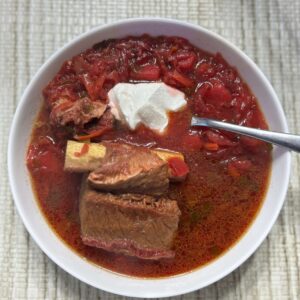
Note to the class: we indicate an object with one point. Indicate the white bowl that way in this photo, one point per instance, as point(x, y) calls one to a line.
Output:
point(102, 278)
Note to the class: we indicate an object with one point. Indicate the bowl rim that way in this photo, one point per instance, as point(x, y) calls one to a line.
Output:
point(31, 230)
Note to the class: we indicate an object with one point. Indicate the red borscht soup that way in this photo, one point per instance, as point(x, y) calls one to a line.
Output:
point(218, 187)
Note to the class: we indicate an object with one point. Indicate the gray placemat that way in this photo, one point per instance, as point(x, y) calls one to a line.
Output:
point(268, 31)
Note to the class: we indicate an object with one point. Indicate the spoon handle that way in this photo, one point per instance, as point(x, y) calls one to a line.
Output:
point(290, 141)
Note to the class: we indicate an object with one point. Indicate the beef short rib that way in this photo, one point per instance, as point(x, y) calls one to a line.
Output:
point(132, 224)
point(130, 169)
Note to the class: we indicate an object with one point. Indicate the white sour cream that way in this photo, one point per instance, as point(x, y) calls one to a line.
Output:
point(145, 103)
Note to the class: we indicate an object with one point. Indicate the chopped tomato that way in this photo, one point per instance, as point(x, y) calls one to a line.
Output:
point(84, 149)
point(178, 167)
point(150, 72)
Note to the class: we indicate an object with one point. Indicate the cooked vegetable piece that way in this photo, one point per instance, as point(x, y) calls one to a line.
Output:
point(88, 161)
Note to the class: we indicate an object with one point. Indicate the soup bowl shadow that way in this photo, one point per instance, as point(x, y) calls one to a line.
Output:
point(97, 276)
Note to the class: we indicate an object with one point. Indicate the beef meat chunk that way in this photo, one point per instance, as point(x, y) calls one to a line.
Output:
point(131, 224)
point(78, 113)
point(130, 169)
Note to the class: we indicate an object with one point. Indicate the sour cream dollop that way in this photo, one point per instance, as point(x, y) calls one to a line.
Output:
point(145, 103)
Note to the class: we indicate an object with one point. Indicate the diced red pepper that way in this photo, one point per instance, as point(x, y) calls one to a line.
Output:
point(178, 167)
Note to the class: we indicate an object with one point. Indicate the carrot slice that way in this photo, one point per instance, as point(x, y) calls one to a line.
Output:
point(211, 146)
point(84, 149)
point(91, 135)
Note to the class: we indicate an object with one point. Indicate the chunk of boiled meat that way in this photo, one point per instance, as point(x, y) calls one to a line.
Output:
point(130, 169)
point(78, 112)
point(132, 224)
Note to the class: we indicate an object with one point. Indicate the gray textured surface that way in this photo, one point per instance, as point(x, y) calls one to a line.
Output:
point(268, 31)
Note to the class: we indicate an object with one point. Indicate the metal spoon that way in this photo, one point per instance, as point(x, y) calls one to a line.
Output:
point(290, 141)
